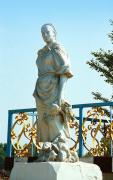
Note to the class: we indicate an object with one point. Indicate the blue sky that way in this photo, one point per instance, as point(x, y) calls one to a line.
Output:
point(82, 27)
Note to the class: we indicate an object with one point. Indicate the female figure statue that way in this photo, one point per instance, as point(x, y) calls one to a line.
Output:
point(53, 71)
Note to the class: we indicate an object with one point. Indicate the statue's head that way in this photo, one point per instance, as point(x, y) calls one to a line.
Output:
point(48, 33)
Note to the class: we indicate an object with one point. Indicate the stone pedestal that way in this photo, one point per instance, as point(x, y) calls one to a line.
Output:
point(55, 171)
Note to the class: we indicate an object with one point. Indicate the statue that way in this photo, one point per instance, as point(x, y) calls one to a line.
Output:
point(54, 118)
point(53, 111)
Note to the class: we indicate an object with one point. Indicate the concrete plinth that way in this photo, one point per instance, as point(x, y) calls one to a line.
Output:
point(55, 171)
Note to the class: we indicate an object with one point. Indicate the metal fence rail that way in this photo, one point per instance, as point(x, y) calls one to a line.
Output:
point(92, 118)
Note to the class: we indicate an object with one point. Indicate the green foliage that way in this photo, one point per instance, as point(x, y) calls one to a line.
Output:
point(2, 154)
point(106, 143)
point(102, 62)
point(111, 34)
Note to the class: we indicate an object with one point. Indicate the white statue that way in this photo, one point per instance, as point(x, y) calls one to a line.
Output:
point(53, 71)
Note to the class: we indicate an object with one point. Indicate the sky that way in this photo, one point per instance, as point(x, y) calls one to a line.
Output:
point(82, 27)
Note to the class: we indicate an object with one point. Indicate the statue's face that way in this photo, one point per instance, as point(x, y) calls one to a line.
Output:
point(48, 34)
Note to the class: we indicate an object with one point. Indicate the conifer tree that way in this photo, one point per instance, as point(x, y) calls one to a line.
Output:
point(102, 62)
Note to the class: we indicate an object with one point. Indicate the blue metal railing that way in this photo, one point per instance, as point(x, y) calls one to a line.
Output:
point(81, 107)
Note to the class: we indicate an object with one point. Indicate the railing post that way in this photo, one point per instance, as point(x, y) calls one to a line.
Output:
point(9, 146)
point(32, 146)
point(80, 132)
point(111, 144)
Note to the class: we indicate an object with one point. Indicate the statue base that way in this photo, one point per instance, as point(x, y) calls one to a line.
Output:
point(55, 171)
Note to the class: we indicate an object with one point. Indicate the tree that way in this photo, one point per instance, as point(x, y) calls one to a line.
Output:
point(2, 154)
point(102, 62)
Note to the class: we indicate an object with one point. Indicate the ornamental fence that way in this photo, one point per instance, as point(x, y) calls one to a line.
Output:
point(91, 130)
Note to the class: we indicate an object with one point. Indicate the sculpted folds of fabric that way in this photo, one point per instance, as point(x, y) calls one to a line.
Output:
point(52, 64)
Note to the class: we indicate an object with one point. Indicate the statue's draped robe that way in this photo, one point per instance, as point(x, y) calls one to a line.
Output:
point(52, 64)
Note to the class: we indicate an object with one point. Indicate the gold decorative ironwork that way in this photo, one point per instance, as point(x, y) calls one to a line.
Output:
point(29, 133)
point(93, 128)
point(96, 127)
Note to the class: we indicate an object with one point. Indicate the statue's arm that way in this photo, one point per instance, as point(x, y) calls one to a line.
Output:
point(62, 82)
point(61, 62)
point(62, 67)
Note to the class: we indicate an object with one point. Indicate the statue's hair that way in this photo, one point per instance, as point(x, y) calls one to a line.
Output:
point(48, 24)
